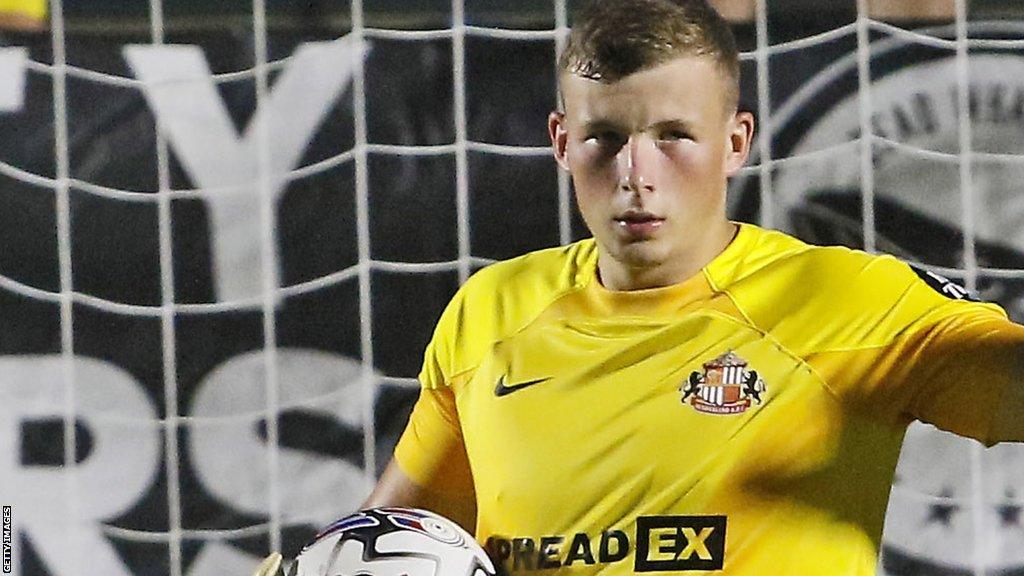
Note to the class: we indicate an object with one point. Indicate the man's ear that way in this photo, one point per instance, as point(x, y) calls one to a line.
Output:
point(559, 137)
point(741, 135)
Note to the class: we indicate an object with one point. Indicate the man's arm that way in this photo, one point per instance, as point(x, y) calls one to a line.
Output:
point(430, 468)
point(434, 473)
point(974, 378)
point(396, 488)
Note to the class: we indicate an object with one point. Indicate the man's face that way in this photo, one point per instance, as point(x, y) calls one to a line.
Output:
point(649, 156)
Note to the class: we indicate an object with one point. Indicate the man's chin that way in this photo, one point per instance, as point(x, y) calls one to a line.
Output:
point(642, 255)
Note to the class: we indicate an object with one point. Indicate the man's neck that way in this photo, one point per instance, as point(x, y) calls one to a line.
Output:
point(620, 277)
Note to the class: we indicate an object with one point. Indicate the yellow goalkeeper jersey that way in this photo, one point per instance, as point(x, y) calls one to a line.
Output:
point(747, 420)
point(31, 8)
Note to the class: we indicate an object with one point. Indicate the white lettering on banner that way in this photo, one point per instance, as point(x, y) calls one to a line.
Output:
point(181, 91)
point(117, 472)
point(13, 69)
point(228, 455)
point(231, 459)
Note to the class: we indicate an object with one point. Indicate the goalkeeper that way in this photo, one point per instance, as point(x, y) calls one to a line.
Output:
point(683, 392)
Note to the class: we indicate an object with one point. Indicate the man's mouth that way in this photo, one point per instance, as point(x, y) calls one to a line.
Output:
point(639, 224)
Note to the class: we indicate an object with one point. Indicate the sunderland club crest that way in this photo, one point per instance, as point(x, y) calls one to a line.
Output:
point(724, 387)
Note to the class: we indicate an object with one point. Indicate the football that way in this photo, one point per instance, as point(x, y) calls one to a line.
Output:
point(393, 542)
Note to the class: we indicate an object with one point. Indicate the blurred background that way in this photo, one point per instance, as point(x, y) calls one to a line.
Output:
point(227, 229)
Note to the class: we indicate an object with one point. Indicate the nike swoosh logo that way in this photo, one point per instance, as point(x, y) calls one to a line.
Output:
point(502, 390)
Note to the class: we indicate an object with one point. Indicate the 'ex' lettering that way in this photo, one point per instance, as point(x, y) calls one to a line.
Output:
point(672, 543)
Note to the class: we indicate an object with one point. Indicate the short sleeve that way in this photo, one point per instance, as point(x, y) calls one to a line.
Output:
point(431, 450)
point(966, 372)
point(439, 356)
point(958, 365)
point(493, 302)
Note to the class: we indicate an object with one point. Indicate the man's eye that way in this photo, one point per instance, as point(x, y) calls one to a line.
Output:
point(605, 138)
point(673, 135)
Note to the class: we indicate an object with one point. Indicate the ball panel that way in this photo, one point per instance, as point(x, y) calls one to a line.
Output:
point(393, 542)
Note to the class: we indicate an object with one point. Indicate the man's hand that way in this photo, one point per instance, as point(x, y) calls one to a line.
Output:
point(271, 566)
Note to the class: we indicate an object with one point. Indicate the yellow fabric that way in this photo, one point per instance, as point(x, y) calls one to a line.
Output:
point(434, 423)
point(31, 8)
point(595, 459)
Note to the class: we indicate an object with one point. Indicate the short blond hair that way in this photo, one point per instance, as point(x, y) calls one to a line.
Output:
point(612, 39)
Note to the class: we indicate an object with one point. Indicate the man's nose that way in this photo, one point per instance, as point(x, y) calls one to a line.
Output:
point(635, 162)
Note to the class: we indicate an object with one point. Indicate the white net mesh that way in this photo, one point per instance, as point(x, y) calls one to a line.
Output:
point(849, 130)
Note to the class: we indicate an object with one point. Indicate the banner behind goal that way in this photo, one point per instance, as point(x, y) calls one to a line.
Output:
point(224, 249)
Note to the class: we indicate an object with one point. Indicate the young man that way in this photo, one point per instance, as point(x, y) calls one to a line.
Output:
point(682, 392)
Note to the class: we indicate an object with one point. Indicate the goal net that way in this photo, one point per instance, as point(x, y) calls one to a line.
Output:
point(226, 241)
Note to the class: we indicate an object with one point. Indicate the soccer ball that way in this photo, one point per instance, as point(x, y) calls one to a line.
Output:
point(393, 542)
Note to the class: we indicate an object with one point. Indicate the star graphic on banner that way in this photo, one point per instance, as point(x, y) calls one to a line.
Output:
point(1010, 510)
point(943, 510)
